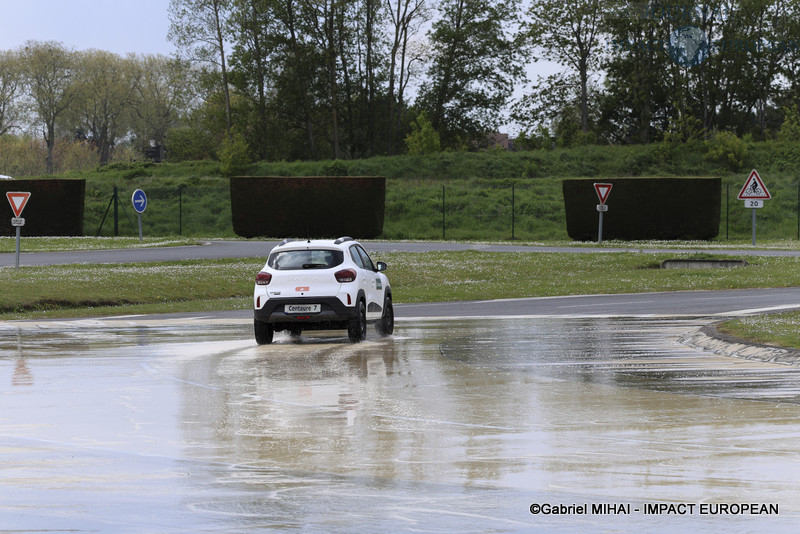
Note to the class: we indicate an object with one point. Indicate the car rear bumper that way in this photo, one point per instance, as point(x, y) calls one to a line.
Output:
point(333, 313)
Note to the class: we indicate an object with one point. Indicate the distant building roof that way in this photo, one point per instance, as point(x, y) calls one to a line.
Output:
point(499, 139)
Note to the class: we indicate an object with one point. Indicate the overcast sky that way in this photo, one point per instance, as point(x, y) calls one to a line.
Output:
point(119, 26)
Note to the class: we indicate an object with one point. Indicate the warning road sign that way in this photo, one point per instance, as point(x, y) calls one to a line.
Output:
point(754, 188)
point(602, 191)
point(17, 199)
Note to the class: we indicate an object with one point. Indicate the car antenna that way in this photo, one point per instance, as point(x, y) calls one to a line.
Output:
point(308, 237)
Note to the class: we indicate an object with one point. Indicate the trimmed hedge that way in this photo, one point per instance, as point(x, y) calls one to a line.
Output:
point(645, 208)
point(312, 206)
point(55, 207)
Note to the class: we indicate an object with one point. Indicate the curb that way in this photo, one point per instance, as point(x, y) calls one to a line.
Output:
point(709, 339)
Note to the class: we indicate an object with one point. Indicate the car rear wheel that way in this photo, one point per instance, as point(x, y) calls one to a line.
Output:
point(263, 332)
point(385, 326)
point(357, 326)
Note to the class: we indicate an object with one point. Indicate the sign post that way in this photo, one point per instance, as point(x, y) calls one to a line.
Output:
point(139, 200)
point(754, 193)
point(18, 200)
point(602, 191)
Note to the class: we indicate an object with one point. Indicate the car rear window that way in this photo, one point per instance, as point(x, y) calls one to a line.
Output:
point(291, 260)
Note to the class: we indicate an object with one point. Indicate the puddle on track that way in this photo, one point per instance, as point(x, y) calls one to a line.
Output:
point(449, 426)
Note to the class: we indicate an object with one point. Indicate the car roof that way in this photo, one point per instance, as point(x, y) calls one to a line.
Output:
point(293, 244)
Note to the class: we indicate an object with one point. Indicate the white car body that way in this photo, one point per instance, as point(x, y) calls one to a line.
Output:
point(321, 285)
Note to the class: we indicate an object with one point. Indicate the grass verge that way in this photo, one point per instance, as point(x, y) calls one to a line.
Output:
point(87, 290)
point(203, 285)
point(779, 329)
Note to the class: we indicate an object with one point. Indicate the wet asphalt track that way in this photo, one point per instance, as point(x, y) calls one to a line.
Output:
point(183, 424)
point(467, 416)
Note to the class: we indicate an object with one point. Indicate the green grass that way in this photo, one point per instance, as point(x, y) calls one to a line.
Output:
point(780, 329)
point(85, 290)
point(478, 276)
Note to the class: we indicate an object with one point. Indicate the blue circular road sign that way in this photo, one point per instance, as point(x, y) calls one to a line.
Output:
point(139, 200)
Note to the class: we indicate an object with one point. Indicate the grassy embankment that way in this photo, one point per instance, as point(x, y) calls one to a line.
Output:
point(477, 190)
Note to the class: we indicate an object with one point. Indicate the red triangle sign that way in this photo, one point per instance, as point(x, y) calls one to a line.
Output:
point(754, 188)
point(17, 199)
point(602, 191)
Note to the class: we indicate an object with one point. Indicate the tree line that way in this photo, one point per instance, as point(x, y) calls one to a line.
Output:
point(94, 96)
point(342, 79)
point(637, 72)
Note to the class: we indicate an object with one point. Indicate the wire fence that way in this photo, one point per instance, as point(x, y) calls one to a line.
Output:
point(451, 212)
point(183, 210)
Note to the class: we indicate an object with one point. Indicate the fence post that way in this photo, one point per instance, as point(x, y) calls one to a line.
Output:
point(727, 212)
point(443, 217)
point(116, 212)
point(512, 213)
point(180, 209)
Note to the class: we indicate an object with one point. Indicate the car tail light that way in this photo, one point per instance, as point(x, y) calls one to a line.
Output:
point(263, 279)
point(345, 275)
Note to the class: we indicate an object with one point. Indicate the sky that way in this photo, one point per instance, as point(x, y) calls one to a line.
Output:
point(119, 26)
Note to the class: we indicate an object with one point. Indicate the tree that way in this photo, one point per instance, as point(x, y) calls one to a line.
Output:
point(162, 95)
point(746, 69)
point(49, 76)
point(568, 33)
point(759, 35)
point(406, 16)
point(234, 155)
point(640, 91)
point(474, 67)
point(251, 28)
point(197, 26)
point(10, 89)
point(324, 15)
point(790, 129)
point(278, 68)
point(104, 93)
point(301, 64)
point(423, 139)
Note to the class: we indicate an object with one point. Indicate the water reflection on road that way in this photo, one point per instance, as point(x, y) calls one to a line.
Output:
point(449, 426)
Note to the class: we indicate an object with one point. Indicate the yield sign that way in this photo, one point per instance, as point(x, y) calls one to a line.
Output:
point(602, 191)
point(17, 199)
point(754, 188)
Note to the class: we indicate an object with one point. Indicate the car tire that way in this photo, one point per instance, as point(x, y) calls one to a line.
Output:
point(357, 326)
point(263, 332)
point(385, 326)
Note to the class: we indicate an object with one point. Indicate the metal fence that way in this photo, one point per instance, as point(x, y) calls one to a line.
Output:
point(536, 212)
point(422, 211)
point(182, 210)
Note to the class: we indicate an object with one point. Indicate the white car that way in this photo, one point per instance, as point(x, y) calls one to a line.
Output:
point(321, 285)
